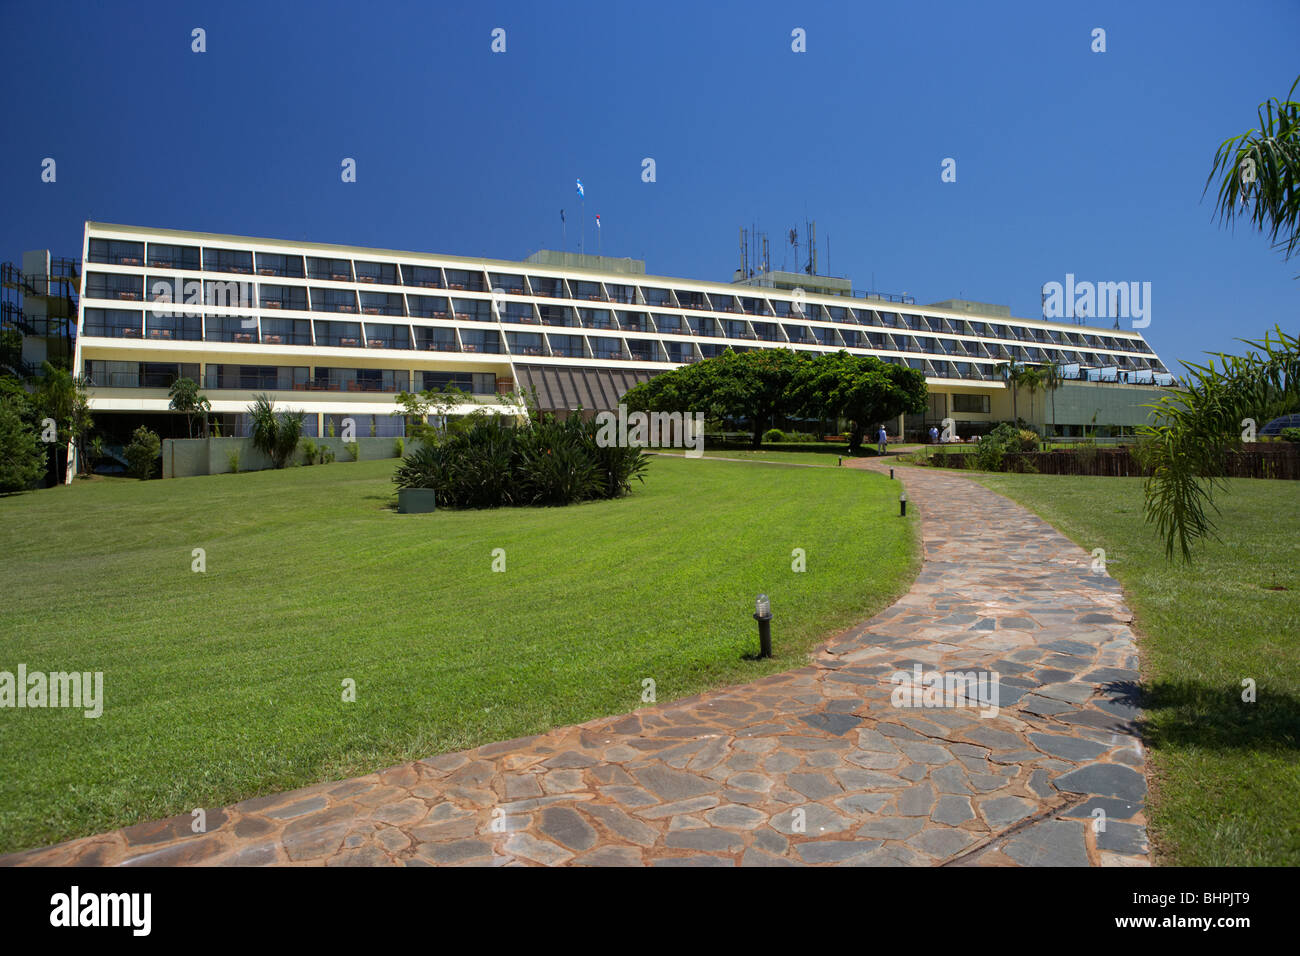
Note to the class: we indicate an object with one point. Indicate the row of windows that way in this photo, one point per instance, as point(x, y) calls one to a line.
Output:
point(166, 256)
point(250, 330)
point(281, 378)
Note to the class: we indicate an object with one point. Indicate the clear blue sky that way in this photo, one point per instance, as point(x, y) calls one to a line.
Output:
point(1067, 160)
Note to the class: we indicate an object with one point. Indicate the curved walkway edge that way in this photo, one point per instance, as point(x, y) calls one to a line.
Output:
point(840, 762)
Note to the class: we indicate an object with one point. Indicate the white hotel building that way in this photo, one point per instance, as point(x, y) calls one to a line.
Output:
point(338, 330)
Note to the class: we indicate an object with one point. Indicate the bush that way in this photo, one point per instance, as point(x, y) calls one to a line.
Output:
point(232, 458)
point(325, 454)
point(275, 433)
point(354, 449)
point(310, 452)
point(399, 446)
point(1291, 434)
point(141, 454)
point(22, 453)
point(774, 434)
point(490, 463)
point(802, 436)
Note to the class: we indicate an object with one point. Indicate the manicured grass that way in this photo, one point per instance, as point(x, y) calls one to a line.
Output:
point(1226, 773)
point(227, 684)
point(821, 454)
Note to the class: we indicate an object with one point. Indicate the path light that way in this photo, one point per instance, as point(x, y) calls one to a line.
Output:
point(902, 505)
point(891, 474)
point(840, 460)
point(763, 615)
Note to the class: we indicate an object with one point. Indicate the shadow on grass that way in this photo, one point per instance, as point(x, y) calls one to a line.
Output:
point(1190, 713)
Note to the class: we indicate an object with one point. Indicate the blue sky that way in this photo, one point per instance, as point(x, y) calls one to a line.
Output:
point(1067, 161)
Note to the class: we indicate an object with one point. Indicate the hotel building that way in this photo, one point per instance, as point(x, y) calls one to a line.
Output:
point(337, 331)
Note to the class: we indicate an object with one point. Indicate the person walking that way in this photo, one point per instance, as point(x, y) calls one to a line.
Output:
point(882, 439)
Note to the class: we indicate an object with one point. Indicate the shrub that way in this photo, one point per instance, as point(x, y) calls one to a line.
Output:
point(399, 446)
point(310, 452)
point(802, 436)
point(325, 454)
point(22, 453)
point(275, 433)
point(141, 454)
point(1291, 434)
point(232, 458)
point(774, 434)
point(354, 449)
point(490, 463)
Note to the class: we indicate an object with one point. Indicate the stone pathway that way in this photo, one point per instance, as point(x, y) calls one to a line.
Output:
point(816, 766)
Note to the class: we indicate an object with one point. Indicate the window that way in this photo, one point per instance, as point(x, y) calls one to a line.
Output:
point(230, 293)
point(333, 300)
point(435, 340)
point(692, 300)
point(428, 277)
point(361, 380)
point(475, 310)
point(679, 351)
point(518, 312)
point(568, 346)
point(276, 264)
point(381, 336)
point(586, 290)
point(634, 321)
point(547, 287)
point(164, 326)
point(604, 347)
point(230, 328)
point(643, 350)
point(557, 315)
point(111, 323)
point(381, 303)
point(480, 340)
point(336, 270)
point(654, 296)
point(283, 297)
point(227, 260)
point(509, 283)
point(596, 318)
point(621, 293)
point(465, 280)
point(722, 302)
point(340, 334)
point(117, 252)
point(382, 273)
point(254, 378)
point(138, 374)
point(525, 343)
point(477, 383)
point(669, 323)
point(428, 306)
point(286, 332)
point(163, 256)
point(106, 285)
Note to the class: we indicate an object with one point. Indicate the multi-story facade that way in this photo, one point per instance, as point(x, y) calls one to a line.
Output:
point(338, 330)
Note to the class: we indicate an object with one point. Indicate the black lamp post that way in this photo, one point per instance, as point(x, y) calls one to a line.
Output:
point(902, 505)
point(763, 615)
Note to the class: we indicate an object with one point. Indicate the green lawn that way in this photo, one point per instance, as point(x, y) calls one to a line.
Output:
point(1226, 773)
point(227, 684)
point(822, 454)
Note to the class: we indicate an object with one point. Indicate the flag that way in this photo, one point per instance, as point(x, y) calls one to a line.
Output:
point(598, 221)
point(561, 215)
point(581, 194)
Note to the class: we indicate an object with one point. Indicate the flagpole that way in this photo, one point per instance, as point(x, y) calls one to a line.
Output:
point(582, 228)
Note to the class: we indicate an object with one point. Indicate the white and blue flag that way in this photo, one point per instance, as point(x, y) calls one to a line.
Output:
point(581, 194)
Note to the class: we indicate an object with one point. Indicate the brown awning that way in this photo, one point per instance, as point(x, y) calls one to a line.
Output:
point(564, 388)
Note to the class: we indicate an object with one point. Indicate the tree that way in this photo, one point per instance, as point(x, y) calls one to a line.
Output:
point(1031, 378)
point(1201, 421)
point(1012, 372)
point(860, 388)
point(275, 433)
point(186, 398)
point(22, 453)
point(62, 397)
point(1259, 174)
point(753, 386)
point(142, 453)
point(1052, 380)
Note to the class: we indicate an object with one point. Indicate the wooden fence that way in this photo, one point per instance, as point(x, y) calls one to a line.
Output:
point(1256, 460)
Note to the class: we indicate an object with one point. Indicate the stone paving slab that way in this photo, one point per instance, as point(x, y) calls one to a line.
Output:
point(813, 767)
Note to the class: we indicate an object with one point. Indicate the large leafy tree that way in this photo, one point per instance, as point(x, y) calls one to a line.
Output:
point(1013, 374)
point(1259, 174)
point(1196, 425)
point(22, 455)
point(62, 397)
point(754, 386)
point(860, 388)
point(275, 433)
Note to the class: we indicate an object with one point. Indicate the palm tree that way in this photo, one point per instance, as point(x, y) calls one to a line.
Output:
point(1052, 380)
point(186, 398)
point(1012, 373)
point(1032, 379)
point(275, 433)
point(1263, 166)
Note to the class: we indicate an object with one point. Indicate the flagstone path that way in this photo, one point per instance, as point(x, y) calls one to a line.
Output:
point(815, 766)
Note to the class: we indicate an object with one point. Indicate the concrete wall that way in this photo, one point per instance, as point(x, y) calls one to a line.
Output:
point(187, 457)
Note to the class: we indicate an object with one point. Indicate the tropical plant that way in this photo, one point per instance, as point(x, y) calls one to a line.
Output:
point(232, 458)
point(275, 434)
point(1196, 425)
point(310, 452)
point(399, 446)
point(22, 453)
point(62, 397)
point(188, 400)
point(1052, 380)
point(1031, 379)
point(1259, 174)
point(1012, 373)
point(774, 435)
point(354, 449)
point(859, 388)
point(142, 453)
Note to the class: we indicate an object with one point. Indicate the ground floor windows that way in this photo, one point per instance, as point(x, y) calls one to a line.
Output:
point(978, 404)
